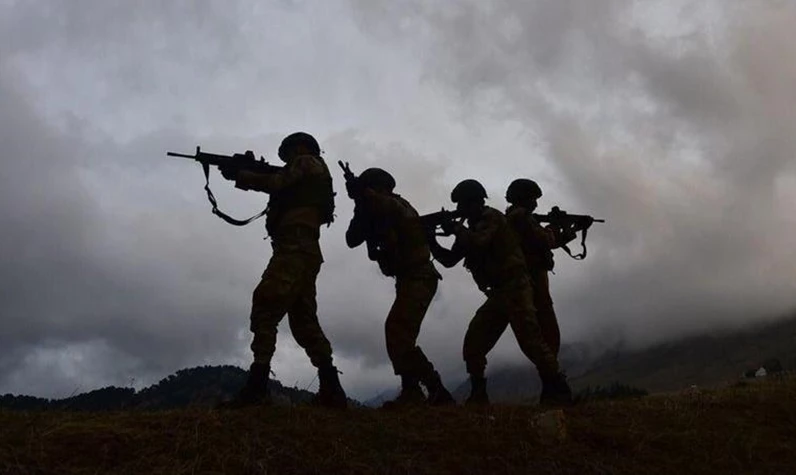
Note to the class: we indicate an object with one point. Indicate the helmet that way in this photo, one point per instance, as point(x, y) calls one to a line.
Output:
point(377, 178)
point(298, 138)
point(468, 190)
point(523, 189)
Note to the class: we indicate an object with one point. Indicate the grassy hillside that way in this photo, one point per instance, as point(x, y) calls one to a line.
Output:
point(734, 430)
point(705, 360)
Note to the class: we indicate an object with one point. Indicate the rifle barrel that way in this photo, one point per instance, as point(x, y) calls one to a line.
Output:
point(175, 154)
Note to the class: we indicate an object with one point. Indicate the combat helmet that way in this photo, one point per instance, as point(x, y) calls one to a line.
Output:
point(523, 189)
point(298, 138)
point(376, 178)
point(468, 190)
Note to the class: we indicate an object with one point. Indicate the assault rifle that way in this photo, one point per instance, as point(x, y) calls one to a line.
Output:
point(237, 161)
point(569, 224)
point(351, 181)
point(352, 187)
point(347, 173)
point(435, 223)
point(233, 163)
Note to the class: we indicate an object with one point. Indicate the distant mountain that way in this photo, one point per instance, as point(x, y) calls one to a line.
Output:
point(703, 360)
point(382, 397)
point(105, 399)
point(707, 360)
point(203, 386)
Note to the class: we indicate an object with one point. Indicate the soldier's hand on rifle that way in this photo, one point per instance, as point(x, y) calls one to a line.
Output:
point(450, 227)
point(352, 188)
point(569, 235)
point(229, 172)
point(563, 235)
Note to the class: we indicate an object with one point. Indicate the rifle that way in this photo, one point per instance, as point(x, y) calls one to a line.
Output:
point(236, 162)
point(432, 221)
point(351, 182)
point(569, 223)
point(352, 187)
point(347, 173)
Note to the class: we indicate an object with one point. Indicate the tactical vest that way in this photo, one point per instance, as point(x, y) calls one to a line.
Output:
point(400, 244)
point(501, 261)
point(312, 191)
point(538, 255)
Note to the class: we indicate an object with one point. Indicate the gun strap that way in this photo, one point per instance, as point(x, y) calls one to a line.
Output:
point(218, 212)
point(582, 255)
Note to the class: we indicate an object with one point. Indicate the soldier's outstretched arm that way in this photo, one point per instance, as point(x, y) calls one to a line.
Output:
point(273, 182)
point(446, 257)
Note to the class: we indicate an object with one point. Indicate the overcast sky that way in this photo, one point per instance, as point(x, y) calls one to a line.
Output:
point(672, 120)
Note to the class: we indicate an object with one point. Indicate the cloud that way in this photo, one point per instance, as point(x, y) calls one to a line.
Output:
point(672, 122)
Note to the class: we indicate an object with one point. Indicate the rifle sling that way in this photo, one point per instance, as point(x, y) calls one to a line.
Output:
point(582, 255)
point(218, 212)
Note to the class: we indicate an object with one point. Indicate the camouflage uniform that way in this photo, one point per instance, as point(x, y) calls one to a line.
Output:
point(399, 245)
point(495, 259)
point(537, 244)
point(288, 283)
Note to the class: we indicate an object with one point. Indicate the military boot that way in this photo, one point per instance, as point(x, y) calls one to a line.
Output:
point(410, 395)
point(330, 392)
point(437, 394)
point(255, 392)
point(478, 395)
point(556, 391)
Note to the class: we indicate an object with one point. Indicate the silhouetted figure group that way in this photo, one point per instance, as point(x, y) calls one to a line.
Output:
point(508, 256)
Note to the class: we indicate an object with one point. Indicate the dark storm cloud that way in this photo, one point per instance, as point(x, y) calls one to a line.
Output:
point(64, 279)
point(113, 267)
point(683, 142)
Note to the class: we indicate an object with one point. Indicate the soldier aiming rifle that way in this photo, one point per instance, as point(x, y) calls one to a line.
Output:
point(232, 163)
point(537, 244)
point(397, 241)
point(489, 248)
point(301, 199)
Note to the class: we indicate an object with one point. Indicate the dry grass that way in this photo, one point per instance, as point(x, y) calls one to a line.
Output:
point(735, 430)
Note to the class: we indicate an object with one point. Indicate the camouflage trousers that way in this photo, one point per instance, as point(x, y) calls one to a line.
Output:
point(509, 305)
point(544, 309)
point(413, 294)
point(288, 287)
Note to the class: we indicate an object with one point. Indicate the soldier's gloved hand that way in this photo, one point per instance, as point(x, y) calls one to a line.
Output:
point(228, 172)
point(449, 227)
point(565, 235)
point(352, 188)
